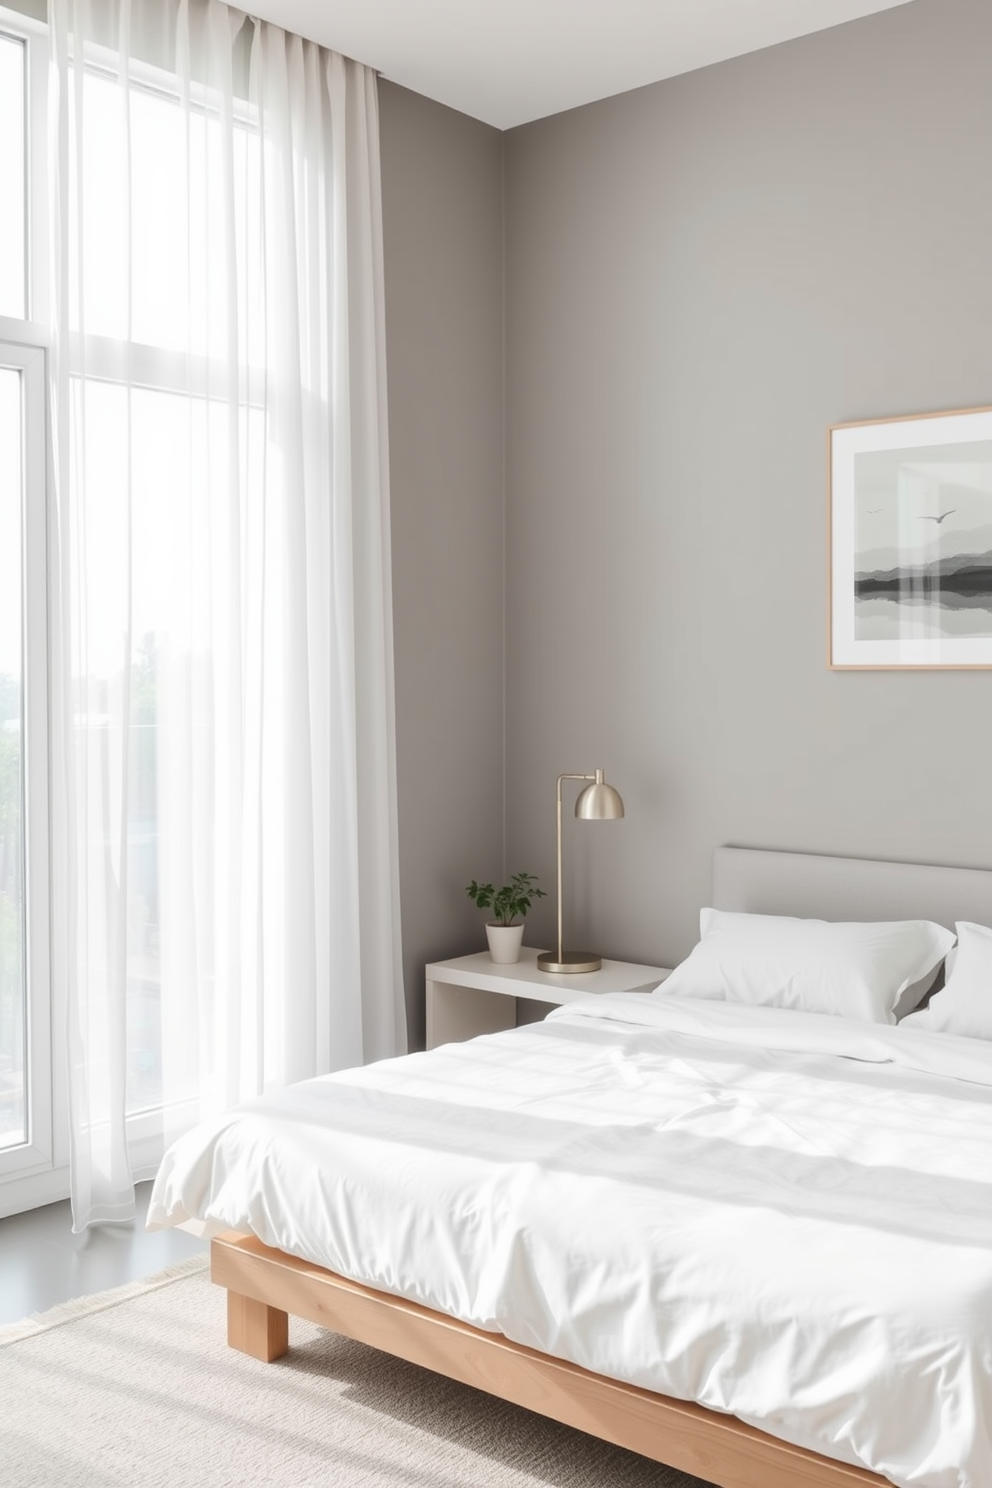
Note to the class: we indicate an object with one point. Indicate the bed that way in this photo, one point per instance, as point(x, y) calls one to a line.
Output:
point(684, 1298)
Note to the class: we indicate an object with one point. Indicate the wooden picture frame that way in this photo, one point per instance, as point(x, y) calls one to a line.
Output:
point(265, 1286)
point(910, 542)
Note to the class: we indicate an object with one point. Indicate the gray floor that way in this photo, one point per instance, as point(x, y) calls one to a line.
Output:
point(43, 1263)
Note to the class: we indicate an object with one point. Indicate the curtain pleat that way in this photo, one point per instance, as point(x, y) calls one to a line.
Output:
point(224, 818)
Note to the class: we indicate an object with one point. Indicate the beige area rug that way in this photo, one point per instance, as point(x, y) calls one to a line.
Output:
point(137, 1388)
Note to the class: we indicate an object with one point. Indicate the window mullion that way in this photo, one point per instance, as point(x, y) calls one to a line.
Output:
point(39, 308)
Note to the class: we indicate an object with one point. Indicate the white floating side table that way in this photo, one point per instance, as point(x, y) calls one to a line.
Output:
point(472, 994)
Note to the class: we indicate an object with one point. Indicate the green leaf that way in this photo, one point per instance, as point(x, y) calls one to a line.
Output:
point(513, 899)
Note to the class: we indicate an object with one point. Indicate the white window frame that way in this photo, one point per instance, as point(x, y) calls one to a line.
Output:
point(36, 1154)
point(36, 1172)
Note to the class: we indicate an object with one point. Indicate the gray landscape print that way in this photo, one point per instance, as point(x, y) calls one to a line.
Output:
point(923, 543)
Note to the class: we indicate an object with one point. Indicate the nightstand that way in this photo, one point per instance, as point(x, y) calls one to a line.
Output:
point(472, 994)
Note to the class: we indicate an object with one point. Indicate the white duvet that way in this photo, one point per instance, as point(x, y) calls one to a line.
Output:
point(781, 1215)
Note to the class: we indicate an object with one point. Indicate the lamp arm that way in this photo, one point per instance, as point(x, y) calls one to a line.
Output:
point(558, 808)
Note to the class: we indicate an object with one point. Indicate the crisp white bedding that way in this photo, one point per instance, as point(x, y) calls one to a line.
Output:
point(783, 1215)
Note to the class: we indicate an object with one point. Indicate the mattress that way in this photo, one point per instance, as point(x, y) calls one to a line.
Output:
point(780, 1215)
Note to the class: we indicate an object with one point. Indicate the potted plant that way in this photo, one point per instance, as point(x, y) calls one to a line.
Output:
point(510, 902)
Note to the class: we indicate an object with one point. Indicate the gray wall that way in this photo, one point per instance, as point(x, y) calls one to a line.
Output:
point(442, 224)
point(700, 277)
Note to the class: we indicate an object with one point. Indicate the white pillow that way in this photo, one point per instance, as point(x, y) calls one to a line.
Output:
point(814, 966)
point(964, 1003)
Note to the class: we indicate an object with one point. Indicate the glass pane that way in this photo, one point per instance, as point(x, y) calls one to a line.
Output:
point(12, 989)
point(167, 492)
point(12, 179)
point(166, 203)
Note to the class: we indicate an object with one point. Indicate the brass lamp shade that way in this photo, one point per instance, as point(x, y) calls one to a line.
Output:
point(598, 802)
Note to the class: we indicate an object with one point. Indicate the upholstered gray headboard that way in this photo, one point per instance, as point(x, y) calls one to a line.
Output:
point(822, 888)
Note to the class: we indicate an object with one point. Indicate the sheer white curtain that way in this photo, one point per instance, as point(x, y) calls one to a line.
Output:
point(226, 882)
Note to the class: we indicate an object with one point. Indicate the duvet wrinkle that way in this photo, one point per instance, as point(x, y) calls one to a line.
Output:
point(876, 1079)
point(743, 1027)
point(718, 1103)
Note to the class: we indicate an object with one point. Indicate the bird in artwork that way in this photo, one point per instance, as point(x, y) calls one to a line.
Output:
point(942, 518)
point(874, 511)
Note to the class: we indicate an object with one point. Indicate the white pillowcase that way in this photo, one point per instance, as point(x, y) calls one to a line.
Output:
point(813, 966)
point(964, 1003)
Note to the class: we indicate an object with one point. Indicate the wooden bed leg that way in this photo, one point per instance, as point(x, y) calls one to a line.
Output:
point(255, 1328)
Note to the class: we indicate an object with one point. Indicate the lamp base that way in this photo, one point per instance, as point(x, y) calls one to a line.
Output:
point(570, 961)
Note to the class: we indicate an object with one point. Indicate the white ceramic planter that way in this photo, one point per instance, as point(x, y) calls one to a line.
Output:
point(504, 943)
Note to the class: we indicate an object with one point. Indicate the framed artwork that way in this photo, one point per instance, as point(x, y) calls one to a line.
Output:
point(911, 542)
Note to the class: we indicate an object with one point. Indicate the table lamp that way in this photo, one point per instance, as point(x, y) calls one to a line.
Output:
point(598, 802)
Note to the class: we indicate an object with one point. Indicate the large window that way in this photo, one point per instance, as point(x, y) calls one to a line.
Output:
point(201, 335)
point(151, 319)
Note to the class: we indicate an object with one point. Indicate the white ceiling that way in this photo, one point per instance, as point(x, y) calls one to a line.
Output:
point(509, 61)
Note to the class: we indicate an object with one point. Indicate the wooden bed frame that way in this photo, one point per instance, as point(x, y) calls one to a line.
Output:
point(265, 1286)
